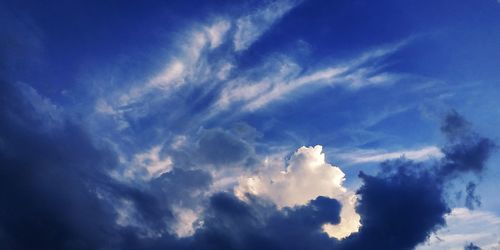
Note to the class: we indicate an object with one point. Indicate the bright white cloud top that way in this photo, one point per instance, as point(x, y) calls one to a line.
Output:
point(306, 176)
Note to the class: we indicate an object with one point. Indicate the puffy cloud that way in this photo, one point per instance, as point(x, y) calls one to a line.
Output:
point(306, 177)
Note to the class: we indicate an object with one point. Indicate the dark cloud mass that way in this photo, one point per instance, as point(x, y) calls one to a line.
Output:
point(48, 182)
point(399, 208)
point(233, 224)
point(471, 246)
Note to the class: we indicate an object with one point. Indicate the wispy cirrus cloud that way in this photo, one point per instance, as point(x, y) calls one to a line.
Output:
point(279, 77)
point(250, 27)
point(359, 156)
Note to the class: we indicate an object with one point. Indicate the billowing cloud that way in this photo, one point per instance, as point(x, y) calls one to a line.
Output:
point(306, 176)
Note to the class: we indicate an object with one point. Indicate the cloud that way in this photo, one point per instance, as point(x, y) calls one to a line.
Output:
point(466, 150)
point(306, 176)
point(281, 76)
point(471, 246)
point(151, 161)
point(370, 156)
point(220, 148)
point(49, 180)
point(462, 224)
point(405, 203)
point(398, 209)
point(250, 27)
point(233, 224)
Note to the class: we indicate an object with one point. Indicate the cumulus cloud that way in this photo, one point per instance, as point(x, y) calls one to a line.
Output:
point(306, 177)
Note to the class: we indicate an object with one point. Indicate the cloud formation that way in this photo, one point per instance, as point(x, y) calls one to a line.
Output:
point(181, 153)
point(306, 176)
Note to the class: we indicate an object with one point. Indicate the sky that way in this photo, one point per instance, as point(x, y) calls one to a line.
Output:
point(286, 124)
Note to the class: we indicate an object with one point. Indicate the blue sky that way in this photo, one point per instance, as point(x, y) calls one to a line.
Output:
point(237, 125)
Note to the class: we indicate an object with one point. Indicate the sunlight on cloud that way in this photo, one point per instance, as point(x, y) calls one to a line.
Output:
point(306, 177)
point(185, 224)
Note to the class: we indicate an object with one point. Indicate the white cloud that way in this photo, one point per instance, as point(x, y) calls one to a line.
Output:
point(148, 165)
point(185, 224)
point(465, 226)
point(171, 76)
point(216, 33)
point(281, 76)
point(249, 28)
point(368, 156)
point(185, 64)
point(306, 177)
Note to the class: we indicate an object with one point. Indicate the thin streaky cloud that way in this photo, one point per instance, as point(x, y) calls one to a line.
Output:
point(360, 156)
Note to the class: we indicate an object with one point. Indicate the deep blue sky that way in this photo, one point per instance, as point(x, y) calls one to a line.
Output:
point(154, 114)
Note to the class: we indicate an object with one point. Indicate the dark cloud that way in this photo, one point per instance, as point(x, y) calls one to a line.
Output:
point(233, 224)
point(472, 200)
point(54, 187)
point(49, 182)
point(471, 246)
point(399, 208)
point(466, 151)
